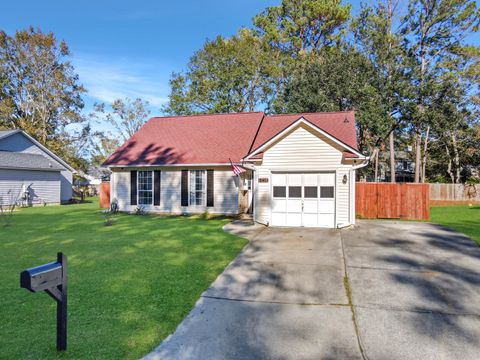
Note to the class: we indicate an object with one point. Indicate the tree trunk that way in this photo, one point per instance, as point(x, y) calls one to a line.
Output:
point(392, 158)
point(456, 159)
point(449, 167)
point(418, 155)
point(425, 149)
point(376, 164)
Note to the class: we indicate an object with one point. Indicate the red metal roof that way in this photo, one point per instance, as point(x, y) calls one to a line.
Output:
point(216, 138)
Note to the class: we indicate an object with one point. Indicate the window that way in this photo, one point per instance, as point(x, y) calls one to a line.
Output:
point(295, 191)
point(197, 187)
point(310, 191)
point(280, 191)
point(145, 188)
point(326, 192)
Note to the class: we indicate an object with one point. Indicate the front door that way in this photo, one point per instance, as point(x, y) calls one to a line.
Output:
point(303, 199)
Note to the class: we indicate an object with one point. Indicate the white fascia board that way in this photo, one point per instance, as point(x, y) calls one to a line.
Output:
point(303, 121)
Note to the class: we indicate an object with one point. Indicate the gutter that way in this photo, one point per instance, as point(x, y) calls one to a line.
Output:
point(366, 162)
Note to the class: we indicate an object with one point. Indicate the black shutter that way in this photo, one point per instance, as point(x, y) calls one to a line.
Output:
point(184, 187)
point(156, 187)
point(133, 187)
point(209, 188)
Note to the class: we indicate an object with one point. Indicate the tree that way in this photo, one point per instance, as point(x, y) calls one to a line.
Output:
point(226, 75)
point(300, 26)
point(433, 29)
point(103, 145)
point(126, 116)
point(39, 89)
point(376, 38)
point(339, 79)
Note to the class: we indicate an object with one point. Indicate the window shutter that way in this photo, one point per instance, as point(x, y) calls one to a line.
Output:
point(156, 187)
point(133, 187)
point(210, 188)
point(184, 187)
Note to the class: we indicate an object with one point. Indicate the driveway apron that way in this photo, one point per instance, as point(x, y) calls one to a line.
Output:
point(382, 290)
point(283, 297)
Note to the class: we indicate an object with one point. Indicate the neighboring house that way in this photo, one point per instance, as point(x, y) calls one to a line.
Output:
point(404, 166)
point(300, 168)
point(31, 173)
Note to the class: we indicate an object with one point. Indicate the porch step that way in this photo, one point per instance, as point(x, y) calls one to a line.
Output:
point(245, 217)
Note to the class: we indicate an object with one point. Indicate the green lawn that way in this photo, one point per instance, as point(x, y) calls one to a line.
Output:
point(461, 218)
point(130, 284)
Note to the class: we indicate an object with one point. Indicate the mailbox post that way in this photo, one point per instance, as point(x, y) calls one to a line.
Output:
point(51, 278)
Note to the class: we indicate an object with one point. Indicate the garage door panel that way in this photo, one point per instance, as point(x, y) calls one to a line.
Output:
point(294, 179)
point(310, 206)
point(310, 220)
point(279, 179)
point(326, 220)
point(294, 206)
point(279, 219)
point(327, 179)
point(326, 207)
point(279, 205)
point(294, 219)
point(310, 179)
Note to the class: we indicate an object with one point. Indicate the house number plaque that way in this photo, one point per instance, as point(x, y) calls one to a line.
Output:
point(263, 180)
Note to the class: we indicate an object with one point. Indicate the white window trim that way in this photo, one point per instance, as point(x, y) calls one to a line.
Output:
point(138, 187)
point(204, 179)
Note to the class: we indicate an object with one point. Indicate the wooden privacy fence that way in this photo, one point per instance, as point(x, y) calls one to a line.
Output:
point(392, 201)
point(450, 194)
point(105, 195)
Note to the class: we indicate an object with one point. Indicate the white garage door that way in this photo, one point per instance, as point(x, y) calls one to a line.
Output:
point(303, 199)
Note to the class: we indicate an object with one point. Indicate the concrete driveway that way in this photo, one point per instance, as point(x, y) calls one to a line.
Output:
point(384, 290)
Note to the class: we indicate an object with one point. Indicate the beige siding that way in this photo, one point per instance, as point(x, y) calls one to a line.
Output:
point(342, 197)
point(225, 192)
point(303, 150)
point(262, 202)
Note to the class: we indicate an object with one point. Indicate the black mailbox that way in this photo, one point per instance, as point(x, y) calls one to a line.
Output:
point(42, 277)
point(51, 278)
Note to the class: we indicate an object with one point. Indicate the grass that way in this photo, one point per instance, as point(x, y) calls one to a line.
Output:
point(130, 284)
point(465, 219)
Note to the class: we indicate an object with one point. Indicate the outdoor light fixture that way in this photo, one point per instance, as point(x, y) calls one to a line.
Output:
point(344, 179)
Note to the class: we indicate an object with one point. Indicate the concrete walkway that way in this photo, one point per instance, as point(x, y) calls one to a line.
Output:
point(396, 290)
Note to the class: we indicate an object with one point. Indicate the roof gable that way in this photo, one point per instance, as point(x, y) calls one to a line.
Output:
point(20, 142)
point(293, 125)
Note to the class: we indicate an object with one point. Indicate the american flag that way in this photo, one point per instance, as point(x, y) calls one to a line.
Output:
point(236, 169)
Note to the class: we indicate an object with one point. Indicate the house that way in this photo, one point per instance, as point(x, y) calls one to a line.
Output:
point(299, 168)
point(404, 166)
point(30, 173)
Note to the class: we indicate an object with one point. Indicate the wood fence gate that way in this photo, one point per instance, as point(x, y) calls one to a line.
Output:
point(392, 201)
point(105, 195)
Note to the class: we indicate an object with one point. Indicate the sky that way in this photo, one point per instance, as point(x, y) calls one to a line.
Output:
point(130, 48)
